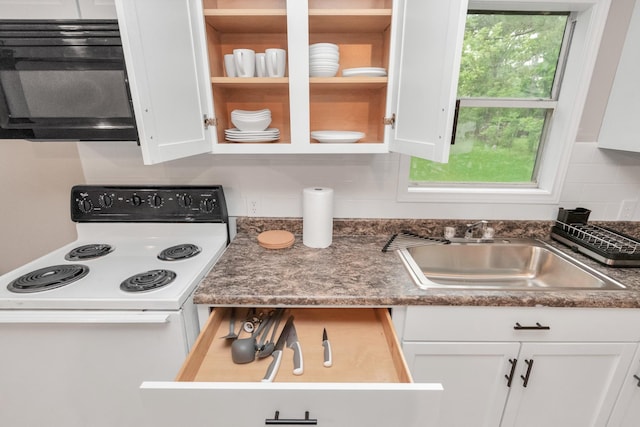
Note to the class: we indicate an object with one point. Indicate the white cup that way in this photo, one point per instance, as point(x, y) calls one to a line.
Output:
point(230, 65)
point(276, 62)
point(245, 61)
point(261, 65)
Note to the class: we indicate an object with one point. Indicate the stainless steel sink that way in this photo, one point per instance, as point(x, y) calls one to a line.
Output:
point(509, 264)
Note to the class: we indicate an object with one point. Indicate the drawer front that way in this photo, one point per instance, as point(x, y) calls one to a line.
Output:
point(254, 404)
point(521, 324)
point(367, 384)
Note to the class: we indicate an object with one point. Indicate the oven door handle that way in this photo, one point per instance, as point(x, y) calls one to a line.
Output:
point(88, 317)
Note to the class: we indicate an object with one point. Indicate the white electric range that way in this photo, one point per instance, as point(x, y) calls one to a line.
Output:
point(84, 325)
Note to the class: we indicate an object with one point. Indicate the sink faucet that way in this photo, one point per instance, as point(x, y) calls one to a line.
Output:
point(468, 234)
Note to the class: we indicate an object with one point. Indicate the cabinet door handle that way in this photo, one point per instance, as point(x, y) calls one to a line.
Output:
point(638, 378)
point(538, 326)
point(291, 421)
point(509, 377)
point(525, 377)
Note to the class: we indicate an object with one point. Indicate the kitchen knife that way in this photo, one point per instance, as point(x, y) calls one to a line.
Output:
point(328, 360)
point(294, 344)
point(272, 370)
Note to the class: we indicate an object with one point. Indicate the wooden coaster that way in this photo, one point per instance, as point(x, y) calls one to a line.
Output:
point(276, 239)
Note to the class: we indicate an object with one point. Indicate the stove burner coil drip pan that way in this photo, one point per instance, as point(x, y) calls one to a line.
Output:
point(148, 281)
point(178, 252)
point(48, 278)
point(87, 252)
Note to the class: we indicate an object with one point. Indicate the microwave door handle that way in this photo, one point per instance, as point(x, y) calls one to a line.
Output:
point(86, 317)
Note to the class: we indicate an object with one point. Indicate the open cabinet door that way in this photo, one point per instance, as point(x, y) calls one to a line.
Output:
point(324, 404)
point(168, 75)
point(427, 50)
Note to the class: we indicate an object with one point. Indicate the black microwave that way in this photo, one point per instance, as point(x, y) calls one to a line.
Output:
point(64, 80)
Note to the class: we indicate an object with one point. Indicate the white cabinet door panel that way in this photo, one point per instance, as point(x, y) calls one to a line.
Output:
point(203, 404)
point(425, 78)
point(472, 375)
point(569, 384)
point(97, 9)
point(164, 52)
point(38, 9)
point(627, 410)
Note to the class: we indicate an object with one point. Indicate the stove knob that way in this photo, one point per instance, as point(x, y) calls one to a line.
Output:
point(155, 201)
point(207, 205)
point(105, 200)
point(136, 200)
point(185, 200)
point(85, 205)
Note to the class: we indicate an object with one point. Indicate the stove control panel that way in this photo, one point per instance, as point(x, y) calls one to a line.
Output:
point(91, 203)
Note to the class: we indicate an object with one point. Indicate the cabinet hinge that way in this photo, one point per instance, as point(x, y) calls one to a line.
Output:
point(210, 121)
point(390, 121)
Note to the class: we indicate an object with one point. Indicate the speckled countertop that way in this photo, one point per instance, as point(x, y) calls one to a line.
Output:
point(354, 271)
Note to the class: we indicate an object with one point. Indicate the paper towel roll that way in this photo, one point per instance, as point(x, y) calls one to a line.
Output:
point(317, 217)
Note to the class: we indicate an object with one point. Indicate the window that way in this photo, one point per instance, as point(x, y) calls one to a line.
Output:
point(506, 88)
point(523, 79)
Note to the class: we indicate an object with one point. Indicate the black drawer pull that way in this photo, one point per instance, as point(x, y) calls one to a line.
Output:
point(509, 377)
point(638, 378)
point(525, 377)
point(538, 326)
point(292, 421)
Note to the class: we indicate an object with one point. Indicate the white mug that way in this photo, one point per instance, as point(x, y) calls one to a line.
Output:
point(230, 65)
point(261, 65)
point(276, 61)
point(245, 61)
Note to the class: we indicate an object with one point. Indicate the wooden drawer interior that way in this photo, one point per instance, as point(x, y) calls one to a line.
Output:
point(365, 349)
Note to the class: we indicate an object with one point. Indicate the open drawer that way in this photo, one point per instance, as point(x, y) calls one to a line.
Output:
point(368, 383)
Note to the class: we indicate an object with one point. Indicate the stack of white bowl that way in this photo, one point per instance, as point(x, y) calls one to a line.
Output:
point(251, 126)
point(324, 60)
point(251, 120)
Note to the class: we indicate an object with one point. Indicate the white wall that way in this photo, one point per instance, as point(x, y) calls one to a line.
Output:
point(35, 180)
point(365, 185)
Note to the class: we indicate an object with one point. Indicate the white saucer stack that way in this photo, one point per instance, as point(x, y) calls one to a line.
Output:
point(251, 126)
point(324, 60)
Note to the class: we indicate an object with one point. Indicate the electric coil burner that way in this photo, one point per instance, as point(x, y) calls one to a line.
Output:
point(48, 278)
point(178, 252)
point(91, 251)
point(148, 281)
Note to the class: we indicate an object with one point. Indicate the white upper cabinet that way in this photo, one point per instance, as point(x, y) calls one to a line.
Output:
point(57, 9)
point(39, 9)
point(619, 128)
point(424, 82)
point(97, 9)
point(175, 48)
point(168, 76)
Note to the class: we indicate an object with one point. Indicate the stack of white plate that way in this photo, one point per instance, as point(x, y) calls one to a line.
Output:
point(324, 60)
point(337, 136)
point(364, 72)
point(237, 135)
point(251, 120)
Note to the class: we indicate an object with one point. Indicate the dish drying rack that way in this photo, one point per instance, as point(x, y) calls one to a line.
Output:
point(603, 244)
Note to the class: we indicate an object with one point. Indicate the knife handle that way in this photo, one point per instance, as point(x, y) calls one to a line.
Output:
point(328, 360)
point(272, 370)
point(298, 364)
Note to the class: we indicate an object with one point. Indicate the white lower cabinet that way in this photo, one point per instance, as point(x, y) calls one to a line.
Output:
point(627, 410)
point(368, 384)
point(522, 366)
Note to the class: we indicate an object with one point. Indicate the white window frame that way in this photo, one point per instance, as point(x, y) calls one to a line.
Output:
point(590, 16)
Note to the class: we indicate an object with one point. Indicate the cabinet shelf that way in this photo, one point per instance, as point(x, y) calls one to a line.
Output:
point(342, 20)
point(245, 83)
point(247, 20)
point(349, 82)
point(320, 20)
